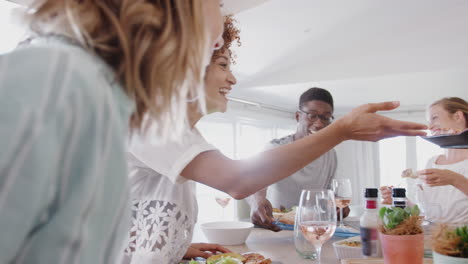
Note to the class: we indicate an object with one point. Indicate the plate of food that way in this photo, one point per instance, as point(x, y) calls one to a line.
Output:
point(348, 248)
point(233, 258)
point(285, 217)
point(449, 138)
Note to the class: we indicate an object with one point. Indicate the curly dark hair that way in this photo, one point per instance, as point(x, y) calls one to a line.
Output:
point(230, 35)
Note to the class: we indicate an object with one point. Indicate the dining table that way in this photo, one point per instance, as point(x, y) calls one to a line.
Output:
point(277, 246)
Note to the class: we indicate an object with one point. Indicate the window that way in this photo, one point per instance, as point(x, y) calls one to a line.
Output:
point(237, 138)
point(400, 153)
point(11, 33)
point(392, 153)
point(425, 150)
point(253, 138)
point(219, 132)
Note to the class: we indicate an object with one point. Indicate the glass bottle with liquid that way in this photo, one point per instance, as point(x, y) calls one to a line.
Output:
point(369, 223)
point(399, 197)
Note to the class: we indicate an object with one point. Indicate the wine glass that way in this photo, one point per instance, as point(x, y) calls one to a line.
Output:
point(223, 200)
point(317, 217)
point(343, 193)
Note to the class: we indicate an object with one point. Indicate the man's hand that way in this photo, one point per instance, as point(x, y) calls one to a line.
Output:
point(346, 211)
point(263, 216)
point(204, 250)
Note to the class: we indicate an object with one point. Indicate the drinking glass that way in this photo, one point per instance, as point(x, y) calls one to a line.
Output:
point(316, 216)
point(303, 247)
point(223, 201)
point(343, 193)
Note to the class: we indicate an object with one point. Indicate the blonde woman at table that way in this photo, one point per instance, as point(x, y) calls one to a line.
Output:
point(163, 175)
point(66, 100)
point(446, 176)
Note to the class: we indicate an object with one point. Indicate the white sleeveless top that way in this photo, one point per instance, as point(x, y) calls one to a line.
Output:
point(164, 205)
point(453, 202)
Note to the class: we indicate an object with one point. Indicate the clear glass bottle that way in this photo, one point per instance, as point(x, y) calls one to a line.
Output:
point(369, 224)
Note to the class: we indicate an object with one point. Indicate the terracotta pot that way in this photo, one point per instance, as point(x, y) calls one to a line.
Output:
point(402, 249)
point(442, 259)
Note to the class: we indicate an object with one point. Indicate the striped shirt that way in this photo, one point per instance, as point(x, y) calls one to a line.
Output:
point(63, 172)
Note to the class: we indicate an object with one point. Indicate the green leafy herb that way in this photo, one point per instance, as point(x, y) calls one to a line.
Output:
point(392, 217)
point(462, 232)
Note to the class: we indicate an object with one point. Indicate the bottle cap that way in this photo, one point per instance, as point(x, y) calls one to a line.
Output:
point(371, 192)
point(399, 192)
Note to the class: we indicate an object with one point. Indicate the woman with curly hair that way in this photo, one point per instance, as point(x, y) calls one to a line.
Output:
point(165, 208)
point(69, 96)
point(163, 175)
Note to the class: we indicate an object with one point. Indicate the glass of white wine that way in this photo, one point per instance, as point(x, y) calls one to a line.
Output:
point(223, 200)
point(317, 217)
point(343, 193)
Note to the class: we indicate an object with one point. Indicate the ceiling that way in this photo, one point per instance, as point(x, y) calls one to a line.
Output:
point(362, 50)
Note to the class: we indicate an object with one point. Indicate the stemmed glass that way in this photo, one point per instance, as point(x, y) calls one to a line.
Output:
point(343, 192)
point(317, 217)
point(223, 200)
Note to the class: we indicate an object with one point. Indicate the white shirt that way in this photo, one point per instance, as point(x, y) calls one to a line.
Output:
point(164, 208)
point(453, 203)
point(316, 175)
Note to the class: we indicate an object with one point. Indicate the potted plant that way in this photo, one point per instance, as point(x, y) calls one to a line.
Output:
point(401, 235)
point(450, 245)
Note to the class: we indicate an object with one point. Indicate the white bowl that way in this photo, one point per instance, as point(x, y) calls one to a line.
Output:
point(442, 259)
point(227, 233)
point(348, 252)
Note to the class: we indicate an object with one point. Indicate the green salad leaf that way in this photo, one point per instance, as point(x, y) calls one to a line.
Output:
point(462, 232)
point(226, 260)
point(392, 217)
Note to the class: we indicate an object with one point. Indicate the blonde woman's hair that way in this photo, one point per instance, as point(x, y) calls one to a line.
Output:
point(158, 50)
point(452, 105)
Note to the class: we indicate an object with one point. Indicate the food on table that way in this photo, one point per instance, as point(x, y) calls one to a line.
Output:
point(285, 218)
point(446, 131)
point(228, 258)
point(255, 258)
point(409, 173)
point(350, 243)
point(284, 215)
point(451, 241)
point(236, 258)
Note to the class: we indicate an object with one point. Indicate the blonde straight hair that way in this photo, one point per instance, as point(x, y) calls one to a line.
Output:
point(158, 50)
point(452, 105)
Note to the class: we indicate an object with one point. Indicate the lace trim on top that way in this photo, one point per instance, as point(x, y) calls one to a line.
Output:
point(160, 229)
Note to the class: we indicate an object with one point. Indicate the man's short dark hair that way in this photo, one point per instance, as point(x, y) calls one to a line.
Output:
point(316, 93)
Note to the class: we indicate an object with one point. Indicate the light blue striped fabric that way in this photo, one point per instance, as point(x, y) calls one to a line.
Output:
point(63, 172)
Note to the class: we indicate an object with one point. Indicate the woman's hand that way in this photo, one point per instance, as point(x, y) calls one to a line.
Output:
point(204, 250)
point(362, 123)
point(438, 177)
point(386, 194)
